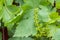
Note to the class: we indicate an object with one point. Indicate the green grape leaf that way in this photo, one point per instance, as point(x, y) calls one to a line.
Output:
point(14, 9)
point(44, 14)
point(8, 2)
point(1, 7)
point(16, 18)
point(17, 38)
point(51, 1)
point(58, 4)
point(54, 15)
point(54, 32)
point(1, 15)
point(26, 25)
point(1, 4)
point(6, 13)
point(26, 7)
point(32, 3)
point(56, 35)
point(44, 2)
point(10, 26)
point(7, 16)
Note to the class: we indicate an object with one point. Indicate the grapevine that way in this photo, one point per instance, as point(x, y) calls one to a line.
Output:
point(29, 19)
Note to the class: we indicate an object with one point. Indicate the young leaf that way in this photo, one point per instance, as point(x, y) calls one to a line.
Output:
point(26, 26)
